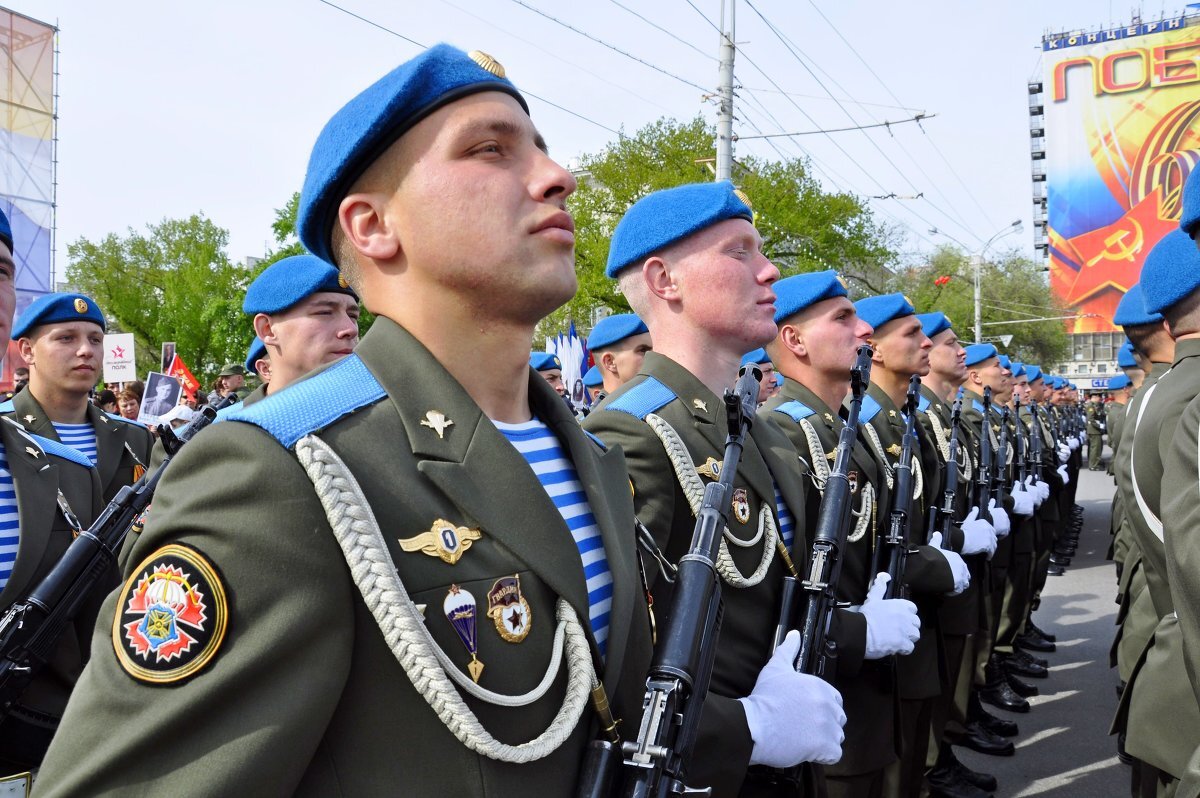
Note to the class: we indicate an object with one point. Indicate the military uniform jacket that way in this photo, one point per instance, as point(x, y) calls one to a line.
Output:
point(1116, 421)
point(122, 446)
point(302, 695)
point(1097, 419)
point(869, 694)
point(926, 573)
point(1181, 534)
point(1124, 541)
point(41, 470)
point(671, 393)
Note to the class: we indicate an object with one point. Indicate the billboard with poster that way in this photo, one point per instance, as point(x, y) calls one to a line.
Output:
point(1122, 128)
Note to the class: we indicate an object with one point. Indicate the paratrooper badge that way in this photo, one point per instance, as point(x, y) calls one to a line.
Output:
point(460, 610)
point(172, 618)
point(741, 505)
point(509, 610)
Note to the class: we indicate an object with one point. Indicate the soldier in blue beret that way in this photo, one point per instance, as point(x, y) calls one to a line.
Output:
point(619, 344)
point(550, 368)
point(1128, 362)
point(689, 261)
point(769, 386)
point(505, 590)
point(305, 314)
point(49, 492)
point(258, 361)
point(1189, 221)
point(594, 382)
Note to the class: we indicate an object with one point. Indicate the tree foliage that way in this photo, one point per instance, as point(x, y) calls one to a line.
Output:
point(174, 282)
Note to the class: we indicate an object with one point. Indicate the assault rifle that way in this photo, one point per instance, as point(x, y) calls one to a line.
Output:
point(1000, 469)
point(656, 763)
point(1022, 448)
point(893, 550)
point(1036, 443)
point(981, 487)
point(943, 513)
point(30, 630)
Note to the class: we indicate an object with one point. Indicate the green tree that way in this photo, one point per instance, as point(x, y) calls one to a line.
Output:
point(174, 282)
point(804, 228)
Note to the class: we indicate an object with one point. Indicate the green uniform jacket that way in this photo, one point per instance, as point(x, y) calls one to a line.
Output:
point(1158, 686)
point(868, 695)
point(44, 534)
point(122, 446)
point(926, 572)
point(1116, 420)
point(1121, 461)
point(723, 749)
point(303, 696)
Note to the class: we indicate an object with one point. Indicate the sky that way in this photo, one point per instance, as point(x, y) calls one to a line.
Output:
point(169, 109)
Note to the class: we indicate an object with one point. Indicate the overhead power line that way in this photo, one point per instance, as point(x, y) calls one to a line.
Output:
point(658, 27)
point(885, 123)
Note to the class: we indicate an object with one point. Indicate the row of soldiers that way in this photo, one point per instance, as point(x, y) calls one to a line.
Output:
point(268, 636)
point(1152, 428)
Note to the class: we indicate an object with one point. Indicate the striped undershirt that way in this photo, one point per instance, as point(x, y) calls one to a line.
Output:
point(80, 437)
point(9, 522)
point(787, 524)
point(541, 449)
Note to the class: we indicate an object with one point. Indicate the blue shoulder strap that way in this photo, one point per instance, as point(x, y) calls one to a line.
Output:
point(314, 403)
point(115, 417)
point(642, 399)
point(226, 412)
point(795, 410)
point(61, 450)
point(870, 409)
point(597, 441)
point(923, 403)
point(7, 407)
point(978, 405)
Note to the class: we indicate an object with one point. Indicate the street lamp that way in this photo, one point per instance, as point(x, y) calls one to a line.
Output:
point(1015, 227)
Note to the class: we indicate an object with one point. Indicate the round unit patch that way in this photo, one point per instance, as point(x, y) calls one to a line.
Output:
point(172, 618)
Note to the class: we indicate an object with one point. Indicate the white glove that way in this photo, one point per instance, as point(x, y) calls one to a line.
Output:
point(1073, 442)
point(1023, 501)
point(892, 624)
point(793, 717)
point(999, 519)
point(978, 535)
point(1044, 487)
point(1064, 452)
point(1062, 472)
point(962, 574)
point(1035, 487)
point(1102, 426)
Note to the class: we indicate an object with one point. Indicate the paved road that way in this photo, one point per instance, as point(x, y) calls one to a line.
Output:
point(1064, 750)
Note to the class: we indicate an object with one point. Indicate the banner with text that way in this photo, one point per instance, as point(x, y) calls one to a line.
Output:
point(118, 358)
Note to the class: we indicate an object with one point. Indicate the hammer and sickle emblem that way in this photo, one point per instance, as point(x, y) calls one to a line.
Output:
point(1116, 246)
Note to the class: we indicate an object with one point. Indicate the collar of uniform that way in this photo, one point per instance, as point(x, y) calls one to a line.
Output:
point(1188, 347)
point(933, 398)
point(801, 393)
point(703, 403)
point(889, 409)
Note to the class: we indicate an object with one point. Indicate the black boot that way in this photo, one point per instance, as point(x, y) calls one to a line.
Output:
point(978, 738)
point(1033, 627)
point(984, 781)
point(1021, 688)
point(1034, 643)
point(997, 691)
point(1020, 666)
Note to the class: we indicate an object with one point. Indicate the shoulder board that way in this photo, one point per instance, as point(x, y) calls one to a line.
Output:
point(642, 399)
point(115, 417)
point(226, 412)
point(314, 403)
point(795, 410)
point(923, 403)
point(7, 407)
point(61, 450)
point(597, 441)
point(978, 405)
point(870, 409)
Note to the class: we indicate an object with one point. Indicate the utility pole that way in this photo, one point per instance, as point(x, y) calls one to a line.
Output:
point(725, 96)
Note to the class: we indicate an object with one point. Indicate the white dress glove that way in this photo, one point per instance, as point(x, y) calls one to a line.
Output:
point(1073, 442)
point(1043, 488)
point(793, 717)
point(1023, 501)
point(999, 519)
point(1064, 452)
point(892, 624)
point(978, 535)
point(1062, 472)
point(962, 574)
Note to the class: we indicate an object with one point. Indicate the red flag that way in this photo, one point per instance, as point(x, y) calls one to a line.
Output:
point(181, 372)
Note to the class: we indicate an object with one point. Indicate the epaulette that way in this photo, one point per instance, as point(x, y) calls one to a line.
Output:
point(923, 403)
point(7, 407)
point(51, 446)
point(795, 410)
point(596, 441)
point(978, 405)
point(226, 412)
point(642, 399)
point(870, 409)
point(314, 403)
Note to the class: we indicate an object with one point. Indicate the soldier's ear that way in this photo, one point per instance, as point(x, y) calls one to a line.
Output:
point(25, 345)
point(365, 224)
point(659, 279)
point(793, 340)
point(263, 329)
point(608, 362)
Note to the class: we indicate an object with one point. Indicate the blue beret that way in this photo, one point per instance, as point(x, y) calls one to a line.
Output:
point(291, 280)
point(1189, 222)
point(257, 351)
point(1131, 310)
point(794, 294)
point(757, 356)
point(977, 353)
point(55, 308)
point(370, 123)
point(1017, 368)
point(664, 217)
point(1005, 362)
point(879, 310)
point(1171, 271)
point(544, 361)
point(612, 329)
point(1125, 358)
point(1034, 373)
point(592, 378)
point(934, 323)
point(1118, 382)
point(6, 231)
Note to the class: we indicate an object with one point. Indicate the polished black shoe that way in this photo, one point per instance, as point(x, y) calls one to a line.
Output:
point(978, 738)
point(999, 726)
point(1025, 656)
point(1061, 562)
point(1034, 643)
point(1033, 627)
point(946, 782)
point(1002, 696)
point(1055, 570)
point(984, 781)
point(1021, 688)
point(1019, 667)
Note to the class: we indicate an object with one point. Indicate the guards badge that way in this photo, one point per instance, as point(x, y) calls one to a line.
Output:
point(172, 618)
point(509, 610)
point(741, 505)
